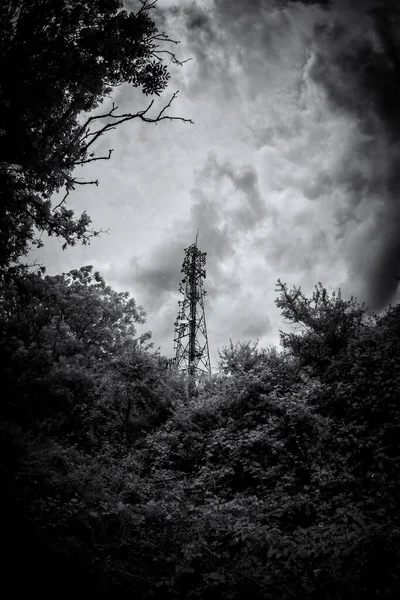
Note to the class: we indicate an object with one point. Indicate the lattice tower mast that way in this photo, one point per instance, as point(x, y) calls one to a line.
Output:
point(190, 341)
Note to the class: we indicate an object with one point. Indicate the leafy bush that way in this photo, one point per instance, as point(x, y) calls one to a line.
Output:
point(277, 479)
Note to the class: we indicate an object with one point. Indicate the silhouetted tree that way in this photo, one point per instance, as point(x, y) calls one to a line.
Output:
point(324, 324)
point(60, 61)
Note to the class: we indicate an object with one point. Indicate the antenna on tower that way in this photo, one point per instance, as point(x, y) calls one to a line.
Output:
point(190, 341)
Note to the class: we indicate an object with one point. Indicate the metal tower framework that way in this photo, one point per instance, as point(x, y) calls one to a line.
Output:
point(190, 341)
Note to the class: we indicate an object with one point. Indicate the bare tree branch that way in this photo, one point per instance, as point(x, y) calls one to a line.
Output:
point(84, 162)
point(141, 114)
point(146, 5)
point(86, 134)
point(85, 237)
point(173, 58)
point(76, 182)
point(70, 186)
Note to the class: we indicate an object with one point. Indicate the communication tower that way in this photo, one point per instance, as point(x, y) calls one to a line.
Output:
point(190, 341)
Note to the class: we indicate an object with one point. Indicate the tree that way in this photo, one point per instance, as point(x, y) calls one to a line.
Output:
point(269, 483)
point(135, 393)
point(243, 357)
point(69, 57)
point(59, 333)
point(96, 316)
point(324, 324)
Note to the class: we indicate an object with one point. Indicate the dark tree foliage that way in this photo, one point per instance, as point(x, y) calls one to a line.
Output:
point(278, 479)
point(323, 324)
point(59, 62)
point(244, 356)
point(57, 333)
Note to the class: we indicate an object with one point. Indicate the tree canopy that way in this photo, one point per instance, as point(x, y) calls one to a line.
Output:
point(69, 57)
point(279, 478)
point(323, 324)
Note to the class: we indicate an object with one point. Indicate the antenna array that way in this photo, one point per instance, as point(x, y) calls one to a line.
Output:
point(190, 341)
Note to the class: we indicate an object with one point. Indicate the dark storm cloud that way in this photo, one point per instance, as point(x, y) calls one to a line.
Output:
point(224, 34)
point(206, 42)
point(357, 61)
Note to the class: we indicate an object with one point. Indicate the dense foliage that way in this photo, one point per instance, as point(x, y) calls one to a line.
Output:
point(278, 478)
point(273, 480)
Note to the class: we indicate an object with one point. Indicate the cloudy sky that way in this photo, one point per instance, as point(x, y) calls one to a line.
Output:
point(291, 169)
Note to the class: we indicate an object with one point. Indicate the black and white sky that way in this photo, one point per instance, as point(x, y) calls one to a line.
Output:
point(291, 169)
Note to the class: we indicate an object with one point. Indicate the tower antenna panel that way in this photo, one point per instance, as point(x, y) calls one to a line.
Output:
point(190, 340)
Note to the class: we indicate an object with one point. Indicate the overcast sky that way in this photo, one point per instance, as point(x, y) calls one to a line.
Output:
point(291, 169)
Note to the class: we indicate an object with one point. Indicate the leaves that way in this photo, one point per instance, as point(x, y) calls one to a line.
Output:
point(273, 482)
point(69, 57)
point(324, 325)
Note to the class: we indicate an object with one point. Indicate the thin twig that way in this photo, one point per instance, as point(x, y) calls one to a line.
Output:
point(117, 120)
point(146, 5)
point(84, 162)
point(70, 186)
